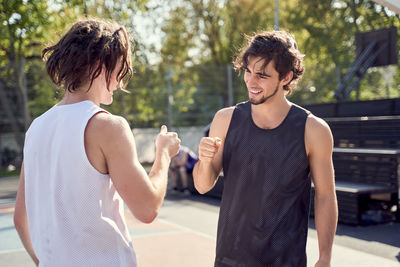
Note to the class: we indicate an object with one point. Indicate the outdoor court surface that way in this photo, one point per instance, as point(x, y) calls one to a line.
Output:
point(183, 235)
point(162, 243)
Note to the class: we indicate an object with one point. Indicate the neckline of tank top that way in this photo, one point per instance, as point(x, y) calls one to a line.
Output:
point(74, 104)
point(277, 127)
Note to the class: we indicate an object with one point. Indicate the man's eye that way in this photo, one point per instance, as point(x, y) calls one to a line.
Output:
point(263, 76)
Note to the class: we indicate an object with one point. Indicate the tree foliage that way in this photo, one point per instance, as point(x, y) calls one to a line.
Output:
point(22, 29)
point(326, 32)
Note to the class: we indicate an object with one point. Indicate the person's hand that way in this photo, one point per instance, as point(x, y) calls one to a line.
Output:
point(322, 263)
point(169, 141)
point(208, 147)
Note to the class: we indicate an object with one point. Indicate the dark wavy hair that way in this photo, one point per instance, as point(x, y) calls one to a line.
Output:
point(82, 53)
point(278, 46)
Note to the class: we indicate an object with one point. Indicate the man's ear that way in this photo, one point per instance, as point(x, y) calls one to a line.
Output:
point(287, 78)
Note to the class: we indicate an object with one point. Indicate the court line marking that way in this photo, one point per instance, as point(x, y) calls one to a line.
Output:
point(12, 250)
point(181, 229)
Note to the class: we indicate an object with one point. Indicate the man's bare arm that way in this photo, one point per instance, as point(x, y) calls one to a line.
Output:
point(142, 193)
point(319, 143)
point(21, 219)
point(209, 166)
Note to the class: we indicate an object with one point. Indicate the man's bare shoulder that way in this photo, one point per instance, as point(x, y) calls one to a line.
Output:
point(318, 133)
point(104, 125)
point(228, 111)
point(221, 122)
point(317, 124)
point(224, 114)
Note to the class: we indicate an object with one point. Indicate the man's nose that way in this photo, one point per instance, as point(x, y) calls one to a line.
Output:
point(250, 79)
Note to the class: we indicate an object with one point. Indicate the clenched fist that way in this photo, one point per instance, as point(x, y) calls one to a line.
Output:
point(208, 147)
point(169, 141)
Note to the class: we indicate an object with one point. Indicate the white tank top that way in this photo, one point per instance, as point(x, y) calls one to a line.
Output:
point(75, 215)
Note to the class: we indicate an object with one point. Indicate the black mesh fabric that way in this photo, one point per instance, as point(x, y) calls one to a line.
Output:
point(263, 219)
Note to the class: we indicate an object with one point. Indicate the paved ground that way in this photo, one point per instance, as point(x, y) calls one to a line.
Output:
point(184, 235)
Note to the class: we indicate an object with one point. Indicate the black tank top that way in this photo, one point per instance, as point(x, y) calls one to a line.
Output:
point(263, 219)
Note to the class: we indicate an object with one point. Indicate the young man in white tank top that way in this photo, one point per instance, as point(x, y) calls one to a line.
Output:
point(80, 162)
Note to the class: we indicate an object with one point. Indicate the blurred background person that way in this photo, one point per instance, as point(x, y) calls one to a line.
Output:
point(181, 166)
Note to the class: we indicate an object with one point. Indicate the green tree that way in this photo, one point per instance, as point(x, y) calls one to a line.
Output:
point(26, 27)
point(22, 28)
point(326, 31)
point(199, 44)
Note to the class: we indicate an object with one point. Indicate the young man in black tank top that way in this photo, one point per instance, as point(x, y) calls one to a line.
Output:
point(270, 149)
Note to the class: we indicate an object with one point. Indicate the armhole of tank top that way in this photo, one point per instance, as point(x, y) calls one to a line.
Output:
point(304, 135)
point(83, 148)
point(235, 110)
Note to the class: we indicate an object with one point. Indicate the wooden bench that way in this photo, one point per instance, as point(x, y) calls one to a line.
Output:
point(367, 180)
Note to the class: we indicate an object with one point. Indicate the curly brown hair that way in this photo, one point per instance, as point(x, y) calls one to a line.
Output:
point(278, 46)
point(84, 50)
